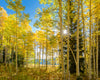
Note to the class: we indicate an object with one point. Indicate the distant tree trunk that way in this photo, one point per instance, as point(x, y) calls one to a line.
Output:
point(93, 50)
point(27, 58)
point(4, 55)
point(1, 37)
point(97, 52)
point(42, 54)
point(46, 47)
point(84, 36)
point(16, 44)
point(93, 56)
point(34, 52)
point(77, 64)
point(39, 55)
point(90, 43)
point(68, 72)
point(10, 48)
point(59, 58)
point(12, 52)
point(52, 59)
point(25, 55)
point(61, 38)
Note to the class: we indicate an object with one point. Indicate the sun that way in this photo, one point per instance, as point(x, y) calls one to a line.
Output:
point(64, 31)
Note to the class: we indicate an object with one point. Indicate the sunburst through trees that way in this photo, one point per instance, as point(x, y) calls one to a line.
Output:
point(60, 40)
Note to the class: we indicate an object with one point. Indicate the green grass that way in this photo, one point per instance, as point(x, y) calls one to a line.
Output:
point(25, 73)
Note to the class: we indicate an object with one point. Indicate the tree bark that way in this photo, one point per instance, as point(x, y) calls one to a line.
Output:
point(93, 50)
point(68, 72)
point(34, 53)
point(52, 59)
point(42, 53)
point(16, 44)
point(97, 53)
point(46, 47)
point(61, 38)
point(77, 56)
point(84, 36)
point(90, 43)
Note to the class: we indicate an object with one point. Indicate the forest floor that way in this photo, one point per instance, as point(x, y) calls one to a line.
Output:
point(34, 73)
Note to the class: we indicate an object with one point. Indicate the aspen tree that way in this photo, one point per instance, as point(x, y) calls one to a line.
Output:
point(84, 46)
point(39, 54)
point(93, 48)
point(97, 52)
point(34, 52)
point(46, 46)
point(17, 7)
point(68, 72)
point(42, 52)
point(3, 17)
point(77, 62)
point(52, 58)
point(2, 31)
point(90, 70)
point(61, 38)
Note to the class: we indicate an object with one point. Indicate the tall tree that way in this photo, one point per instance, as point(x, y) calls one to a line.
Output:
point(77, 63)
point(17, 7)
point(84, 46)
point(97, 52)
point(68, 73)
point(61, 38)
point(90, 70)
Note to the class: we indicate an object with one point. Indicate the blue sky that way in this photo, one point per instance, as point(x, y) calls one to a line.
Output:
point(30, 7)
